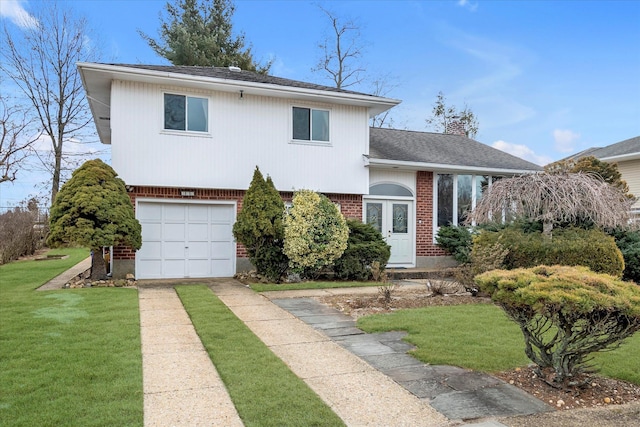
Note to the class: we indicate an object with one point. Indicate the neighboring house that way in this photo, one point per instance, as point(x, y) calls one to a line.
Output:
point(186, 141)
point(626, 154)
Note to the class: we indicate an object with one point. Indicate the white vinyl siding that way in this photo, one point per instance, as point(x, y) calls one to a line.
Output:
point(630, 171)
point(248, 132)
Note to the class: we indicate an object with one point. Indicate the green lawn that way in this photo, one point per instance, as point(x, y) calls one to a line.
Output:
point(67, 357)
point(263, 389)
point(481, 337)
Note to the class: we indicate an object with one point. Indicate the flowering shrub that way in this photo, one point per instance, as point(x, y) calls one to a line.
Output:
point(315, 233)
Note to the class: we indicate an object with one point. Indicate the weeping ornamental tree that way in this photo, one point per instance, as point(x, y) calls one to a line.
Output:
point(93, 209)
point(554, 199)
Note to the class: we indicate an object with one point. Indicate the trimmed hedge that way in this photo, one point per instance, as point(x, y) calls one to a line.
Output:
point(571, 246)
point(364, 247)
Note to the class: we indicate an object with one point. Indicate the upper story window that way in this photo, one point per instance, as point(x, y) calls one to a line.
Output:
point(310, 124)
point(187, 113)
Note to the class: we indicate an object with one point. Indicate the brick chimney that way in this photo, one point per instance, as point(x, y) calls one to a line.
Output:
point(455, 127)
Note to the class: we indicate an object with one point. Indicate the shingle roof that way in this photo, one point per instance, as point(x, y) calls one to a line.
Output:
point(444, 149)
point(628, 146)
point(242, 75)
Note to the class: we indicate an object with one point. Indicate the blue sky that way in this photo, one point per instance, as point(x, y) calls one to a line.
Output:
point(545, 78)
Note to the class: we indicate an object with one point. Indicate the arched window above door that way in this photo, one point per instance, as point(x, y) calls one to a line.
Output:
point(389, 190)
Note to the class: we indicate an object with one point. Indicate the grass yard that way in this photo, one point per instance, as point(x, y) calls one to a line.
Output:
point(264, 287)
point(263, 389)
point(67, 357)
point(481, 337)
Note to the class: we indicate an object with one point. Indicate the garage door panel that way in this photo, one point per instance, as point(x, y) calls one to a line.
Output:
point(198, 250)
point(198, 213)
point(174, 212)
point(152, 232)
point(150, 250)
point(220, 250)
point(221, 232)
point(199, 268)
point(221, 214)
point(224, 267)
point(173, 267)
point(173, 232)
point(198, 232)
point(173, 250)
point(150, 211)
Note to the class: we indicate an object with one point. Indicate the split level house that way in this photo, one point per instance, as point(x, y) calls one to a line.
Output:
point(186, 141)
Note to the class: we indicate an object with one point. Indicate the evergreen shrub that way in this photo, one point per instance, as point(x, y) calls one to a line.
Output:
point(364, 247)
point(628, 242)
point(260, 227)
point(315, 232)
point(456, 240)
point(565, 313)
point(572, 246)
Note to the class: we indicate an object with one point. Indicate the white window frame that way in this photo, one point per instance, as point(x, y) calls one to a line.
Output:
point(186, 131)
point(474, 198)
point(310, 141)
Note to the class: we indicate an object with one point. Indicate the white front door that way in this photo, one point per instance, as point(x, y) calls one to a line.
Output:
point(393, 219)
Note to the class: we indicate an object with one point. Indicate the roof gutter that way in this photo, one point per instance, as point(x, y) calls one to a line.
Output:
point(440, 167)
point(375, 103)
point(622, 157)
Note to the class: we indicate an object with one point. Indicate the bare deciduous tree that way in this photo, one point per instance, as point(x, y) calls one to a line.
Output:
point(381, 87)
point(15, 140)
point(444, 115)
point(341, 52)
point(554, 199)
point(41, 61)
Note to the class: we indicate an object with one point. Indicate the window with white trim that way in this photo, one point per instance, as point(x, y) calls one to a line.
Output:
point(186, 113)
point(456, 195)
point(310, 124)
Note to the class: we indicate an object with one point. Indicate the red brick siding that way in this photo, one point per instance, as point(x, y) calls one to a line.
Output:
point(424, 216)
point(350, 205)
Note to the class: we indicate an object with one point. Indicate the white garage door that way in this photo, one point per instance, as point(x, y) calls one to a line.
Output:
point(185, 240)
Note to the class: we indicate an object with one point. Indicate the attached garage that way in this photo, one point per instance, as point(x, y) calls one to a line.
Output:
point(185, 239)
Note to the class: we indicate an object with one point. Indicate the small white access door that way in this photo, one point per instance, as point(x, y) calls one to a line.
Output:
point(392, 219)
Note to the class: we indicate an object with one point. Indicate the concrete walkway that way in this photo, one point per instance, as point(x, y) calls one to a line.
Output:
point(181, 386)
point(358, 393)
point(59, 281)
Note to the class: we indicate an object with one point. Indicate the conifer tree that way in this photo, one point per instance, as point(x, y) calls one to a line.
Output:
point(260, 228)
point(93, 209)
point(200, 32)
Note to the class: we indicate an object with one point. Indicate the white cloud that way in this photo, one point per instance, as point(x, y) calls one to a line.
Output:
point(13, 10)
point(565, 140)
point(522, 151)
point(469, 5)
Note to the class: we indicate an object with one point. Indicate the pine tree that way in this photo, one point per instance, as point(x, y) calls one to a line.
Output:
point(93, 209)
point(200, 32)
